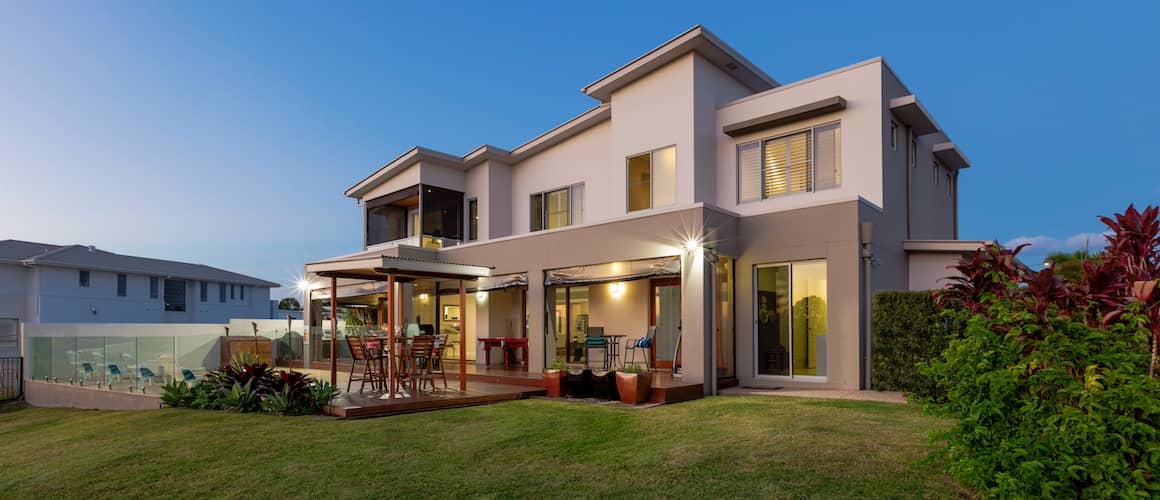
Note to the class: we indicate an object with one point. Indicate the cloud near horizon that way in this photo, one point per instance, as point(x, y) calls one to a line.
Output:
point(1048, 244)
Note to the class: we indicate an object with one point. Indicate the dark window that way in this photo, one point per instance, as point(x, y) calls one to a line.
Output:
point(242, 291)
point(222, 292)
point(122, 285)
point(472, 219)
point(204, 295)
point(232, 292)
point(175, 295)
point(83, 277)
point(442, 213)
point(154, 287)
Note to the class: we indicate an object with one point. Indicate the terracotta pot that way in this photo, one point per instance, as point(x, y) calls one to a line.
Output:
point(554, 382)
point(634, 388)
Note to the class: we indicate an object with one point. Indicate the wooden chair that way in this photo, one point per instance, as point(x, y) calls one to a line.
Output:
point(419, 358)
point(358, 352)
point(437, 360)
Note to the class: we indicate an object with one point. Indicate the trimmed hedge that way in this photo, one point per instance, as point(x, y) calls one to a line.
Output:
point(908, 329)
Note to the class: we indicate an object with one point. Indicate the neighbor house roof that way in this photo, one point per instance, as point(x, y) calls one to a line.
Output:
point(87, 257)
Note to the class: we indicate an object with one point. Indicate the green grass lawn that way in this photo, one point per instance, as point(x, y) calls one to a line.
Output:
point(714, 447)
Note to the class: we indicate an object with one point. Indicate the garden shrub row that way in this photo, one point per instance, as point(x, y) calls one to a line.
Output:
point(909, 330)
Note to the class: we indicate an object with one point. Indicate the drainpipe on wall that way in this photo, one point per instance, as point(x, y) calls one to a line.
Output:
point(866, 239)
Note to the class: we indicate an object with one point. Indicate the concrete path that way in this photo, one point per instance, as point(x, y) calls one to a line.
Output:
point(878, 396)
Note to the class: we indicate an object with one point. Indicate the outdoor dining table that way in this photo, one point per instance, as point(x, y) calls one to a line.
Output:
point(614, 348)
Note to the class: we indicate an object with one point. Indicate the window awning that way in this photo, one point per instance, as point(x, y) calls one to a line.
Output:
point(911, 111)
point(502, 281)
point(614, 271)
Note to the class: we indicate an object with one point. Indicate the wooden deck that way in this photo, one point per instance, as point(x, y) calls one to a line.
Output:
point(368, 404)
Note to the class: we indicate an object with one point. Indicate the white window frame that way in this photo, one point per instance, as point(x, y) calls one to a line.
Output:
point(761, 155)
point(575, 207)
point(651, 178)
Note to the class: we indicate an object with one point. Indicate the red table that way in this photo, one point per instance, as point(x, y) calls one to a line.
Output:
point(507, 345)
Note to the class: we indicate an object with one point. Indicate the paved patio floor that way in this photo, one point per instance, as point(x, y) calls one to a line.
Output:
point(879, 396)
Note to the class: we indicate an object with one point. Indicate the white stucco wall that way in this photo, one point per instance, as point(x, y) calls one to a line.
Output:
point(583, 158)
point(861, 140)
point(929, 270)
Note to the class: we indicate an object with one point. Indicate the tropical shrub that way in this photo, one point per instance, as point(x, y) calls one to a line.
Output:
point(247, 385)
point(1052, 384)
point(908, 330)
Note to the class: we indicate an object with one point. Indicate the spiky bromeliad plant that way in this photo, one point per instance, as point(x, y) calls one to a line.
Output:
point(1052, 384)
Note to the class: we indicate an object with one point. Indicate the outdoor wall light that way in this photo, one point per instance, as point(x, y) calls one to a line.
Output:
point(692, 244)
point(616, 289)
point(481, 296)
point(423, 298)
point(302, 285)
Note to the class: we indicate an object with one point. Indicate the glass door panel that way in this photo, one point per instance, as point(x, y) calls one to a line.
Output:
point(666, 317)
point(809, 319)
point(772, 320)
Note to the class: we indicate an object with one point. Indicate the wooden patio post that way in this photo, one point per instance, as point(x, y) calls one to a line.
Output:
point(334, 331)
point(391, 335)
point(462, 337)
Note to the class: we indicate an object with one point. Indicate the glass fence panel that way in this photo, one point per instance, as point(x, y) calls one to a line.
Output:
point(91, 360)
point(196, 355)
point(120, 362)
point(41, 358)
point(64, 359)
point(156, 363)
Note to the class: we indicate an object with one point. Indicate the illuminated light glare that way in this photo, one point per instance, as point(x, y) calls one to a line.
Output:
point(692, 244)
point(423, 297)
point(616, 289)
point(481, 296)
point(302, 285)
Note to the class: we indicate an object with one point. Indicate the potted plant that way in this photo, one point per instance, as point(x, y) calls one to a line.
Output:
point(554, 378)
point(578, 384)
point(634, 384)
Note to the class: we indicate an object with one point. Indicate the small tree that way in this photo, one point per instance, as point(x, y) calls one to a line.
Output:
point(289, 304)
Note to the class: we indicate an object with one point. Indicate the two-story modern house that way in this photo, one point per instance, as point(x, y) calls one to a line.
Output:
point(43, 283)
point(745, 221)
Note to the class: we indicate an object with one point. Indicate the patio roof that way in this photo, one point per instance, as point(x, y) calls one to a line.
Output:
point(377, 267)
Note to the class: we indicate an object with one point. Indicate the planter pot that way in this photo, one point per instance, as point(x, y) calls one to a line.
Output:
point(578, 385)
point(604, 386)
point(634, 388)
point(554, 382)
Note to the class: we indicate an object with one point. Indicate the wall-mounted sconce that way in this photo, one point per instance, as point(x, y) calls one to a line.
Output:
point(481, 296)
point(423, 298)
point(616, 290)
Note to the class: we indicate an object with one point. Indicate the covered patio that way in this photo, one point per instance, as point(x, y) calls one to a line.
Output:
point(389, 305)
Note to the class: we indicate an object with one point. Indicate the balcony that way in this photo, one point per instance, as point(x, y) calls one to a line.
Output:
point(421, 215)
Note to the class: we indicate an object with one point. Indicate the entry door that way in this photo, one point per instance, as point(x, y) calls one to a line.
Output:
point(665, 315)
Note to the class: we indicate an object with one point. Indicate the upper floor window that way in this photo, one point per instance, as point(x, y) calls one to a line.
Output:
point(950, 184)
point(204, 293)
point(222, 292)
point(83, 279)
point(154, 287)
point(893, 136)
point(934, 169)
point(800, 162)
point(175, 295)
point(232, 292)
point(122, 285)
point(473, 219)
point(242, 292)
point(558, 208)
point(652, 179)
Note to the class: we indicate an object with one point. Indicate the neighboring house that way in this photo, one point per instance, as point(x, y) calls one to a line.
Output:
point(42, 283)
point(748, 221)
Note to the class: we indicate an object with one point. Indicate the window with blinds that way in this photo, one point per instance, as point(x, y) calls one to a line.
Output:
point(801, 162)
point(558, 208)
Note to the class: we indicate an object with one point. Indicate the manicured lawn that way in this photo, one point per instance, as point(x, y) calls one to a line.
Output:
point(716, 447)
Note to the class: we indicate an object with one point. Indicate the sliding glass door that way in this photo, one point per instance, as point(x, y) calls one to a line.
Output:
point(790, 319)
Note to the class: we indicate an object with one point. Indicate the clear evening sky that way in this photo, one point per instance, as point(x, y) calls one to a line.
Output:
point(225, 132)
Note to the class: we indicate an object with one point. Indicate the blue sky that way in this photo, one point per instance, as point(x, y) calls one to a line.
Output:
point(225, 132)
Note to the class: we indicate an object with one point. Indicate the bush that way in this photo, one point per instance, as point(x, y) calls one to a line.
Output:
point(908, 330)
point(249, 386)
point(1051, 408)
point(1052, 384)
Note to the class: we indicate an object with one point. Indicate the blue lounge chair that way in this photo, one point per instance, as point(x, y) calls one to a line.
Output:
point(642, 344)
point(114, 372)
point(87, 369)
point(147, 375)
point(594, 339)
point(188, 376)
